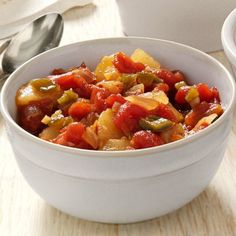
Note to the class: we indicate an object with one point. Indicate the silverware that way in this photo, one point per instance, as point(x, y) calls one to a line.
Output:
point(40, 35)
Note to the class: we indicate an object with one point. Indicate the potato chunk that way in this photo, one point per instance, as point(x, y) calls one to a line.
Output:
point(141, 56)
point(105, 70)
point(27, 93)
point(106, 128)
point(117, 144)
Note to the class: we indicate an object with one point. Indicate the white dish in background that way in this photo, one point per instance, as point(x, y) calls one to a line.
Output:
point(228, 36)
point(121, 186)
point(195, 23)
point(15, 14)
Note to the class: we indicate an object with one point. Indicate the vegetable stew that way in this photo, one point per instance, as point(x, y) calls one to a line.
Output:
point(127, 102)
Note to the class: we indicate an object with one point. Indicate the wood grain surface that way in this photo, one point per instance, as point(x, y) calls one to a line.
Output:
point(24, 213)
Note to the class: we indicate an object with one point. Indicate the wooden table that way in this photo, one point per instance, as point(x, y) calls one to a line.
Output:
point(24, 213)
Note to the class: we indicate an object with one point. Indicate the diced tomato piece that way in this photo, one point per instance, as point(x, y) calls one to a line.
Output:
point(165, 111)
point(168, 77)
point(179, 76)
point(205, 93)
point(201, 110)
point(196, 114)
point(145, 139)
point(98, 98)
point(98, 93)
point(124, 64)
point(67, 81)
point(114, 98)
point(78, 110)
point(85, 73)
point(180, 95)
point(72, 136)
point(128, 116)
point(74, 132)
point(83, 89)
point(58, 71)
point(60, 139)
point(162, 86)
point(215, 95)
point(77, 83)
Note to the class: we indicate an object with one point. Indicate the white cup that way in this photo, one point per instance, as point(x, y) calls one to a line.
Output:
point(196, 23)
point(228, 36)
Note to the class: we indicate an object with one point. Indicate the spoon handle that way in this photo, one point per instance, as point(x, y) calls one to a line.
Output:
point(4, 45)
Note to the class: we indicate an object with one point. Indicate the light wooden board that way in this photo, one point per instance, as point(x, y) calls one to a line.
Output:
point(23, 213)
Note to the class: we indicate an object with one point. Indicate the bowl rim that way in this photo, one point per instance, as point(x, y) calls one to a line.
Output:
point(228, 34)
point(116, 154)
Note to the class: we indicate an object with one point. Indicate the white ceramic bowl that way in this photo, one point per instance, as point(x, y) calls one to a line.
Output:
point(228, 37)
point(121, 186)
point(195, 23)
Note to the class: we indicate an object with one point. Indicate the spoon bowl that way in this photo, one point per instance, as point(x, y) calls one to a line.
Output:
point(40, 35)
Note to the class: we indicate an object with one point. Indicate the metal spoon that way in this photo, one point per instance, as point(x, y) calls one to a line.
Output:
point(40, 35)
